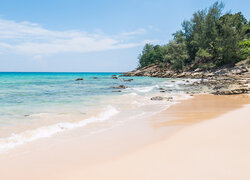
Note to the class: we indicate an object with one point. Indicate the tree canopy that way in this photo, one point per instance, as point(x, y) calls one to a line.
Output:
point(209, 39)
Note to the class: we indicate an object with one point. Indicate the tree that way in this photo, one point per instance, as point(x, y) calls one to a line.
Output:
point(208, 39)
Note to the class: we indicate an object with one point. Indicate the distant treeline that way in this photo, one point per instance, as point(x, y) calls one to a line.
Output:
point(209, 39)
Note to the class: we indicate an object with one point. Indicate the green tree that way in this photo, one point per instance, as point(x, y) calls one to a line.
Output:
point(208, 39)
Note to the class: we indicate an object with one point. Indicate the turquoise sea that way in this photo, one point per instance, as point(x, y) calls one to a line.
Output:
point(38, 105)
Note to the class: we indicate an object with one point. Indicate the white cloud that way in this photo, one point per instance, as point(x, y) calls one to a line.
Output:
point(136, 32)
point(32, 39)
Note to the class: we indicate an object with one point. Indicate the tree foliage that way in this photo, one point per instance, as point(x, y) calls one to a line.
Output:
point(209, 37)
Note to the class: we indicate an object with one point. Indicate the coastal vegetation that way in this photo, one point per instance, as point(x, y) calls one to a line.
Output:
point(208, 40)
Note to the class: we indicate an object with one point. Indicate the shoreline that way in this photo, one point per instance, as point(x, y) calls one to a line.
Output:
point(218, 81)
point(214, 149)
point(114, 144)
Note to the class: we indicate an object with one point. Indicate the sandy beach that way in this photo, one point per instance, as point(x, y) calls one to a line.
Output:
point(209, 140)
point(124, 90)
point(214, 149)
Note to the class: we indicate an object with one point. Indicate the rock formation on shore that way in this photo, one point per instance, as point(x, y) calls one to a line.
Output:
point(220, 81)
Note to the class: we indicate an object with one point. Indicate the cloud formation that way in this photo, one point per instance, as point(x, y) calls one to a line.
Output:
point(32, 39)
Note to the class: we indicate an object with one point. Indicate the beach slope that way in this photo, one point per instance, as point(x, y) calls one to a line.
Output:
point(214, 149)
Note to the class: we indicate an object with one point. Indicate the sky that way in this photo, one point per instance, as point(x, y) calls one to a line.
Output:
point(90, 35)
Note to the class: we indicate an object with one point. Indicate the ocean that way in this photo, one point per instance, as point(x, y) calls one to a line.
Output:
point(40, 105)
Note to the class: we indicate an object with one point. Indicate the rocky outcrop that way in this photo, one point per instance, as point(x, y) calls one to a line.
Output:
point(219, 81)
point(233, 91)
point(156, 71)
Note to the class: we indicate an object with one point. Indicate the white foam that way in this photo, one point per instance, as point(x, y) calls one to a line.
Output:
point(146, 89)
point(48, 131)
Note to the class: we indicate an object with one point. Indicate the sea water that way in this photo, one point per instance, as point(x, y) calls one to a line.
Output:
point(40, 105)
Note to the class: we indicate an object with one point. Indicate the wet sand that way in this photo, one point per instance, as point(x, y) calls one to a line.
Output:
point(206, 137)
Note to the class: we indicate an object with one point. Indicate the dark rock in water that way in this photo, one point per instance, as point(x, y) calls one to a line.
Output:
point(157, 98)
point(26, 115)
point(161, 89)
point(117, 91)
point(95, 77)
point(160, 98)
point(114, 77)
point(119, 87)
point(79, 79)
point(128, 80)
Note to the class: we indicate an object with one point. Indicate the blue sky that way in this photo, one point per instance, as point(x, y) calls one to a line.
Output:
point(90, 36)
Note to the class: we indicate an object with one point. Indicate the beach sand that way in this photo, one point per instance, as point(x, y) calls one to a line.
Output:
point(211, 141)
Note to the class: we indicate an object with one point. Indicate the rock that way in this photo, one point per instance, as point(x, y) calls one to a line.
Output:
point(146, 74)
point(26, 115)
point(160, 98)
point(119, 87)
point(114, 77)
point(232, 91)
point(244, 70)
point(117, 91)
point(195, 84)
point(95, 77)
point(210, 74)
point(169, 98)
point(161, 89)
point(197, 75)
point(79, 79)
point(128, 80)
point(183, 74)
point(218, 87)
point(157, 98)
point(198, 70)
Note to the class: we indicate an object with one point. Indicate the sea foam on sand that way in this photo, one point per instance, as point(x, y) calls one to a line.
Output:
point(48, 131)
